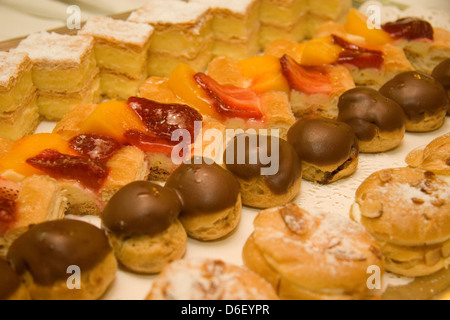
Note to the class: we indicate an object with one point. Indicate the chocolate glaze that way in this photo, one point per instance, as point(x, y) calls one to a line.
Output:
point(47, 249)
point(141, 208)
point(417, 93)
point(365, 110)
point(323, 142)
point(442, 74)
point(289, 165)
point(9, 280)
point(204, 188)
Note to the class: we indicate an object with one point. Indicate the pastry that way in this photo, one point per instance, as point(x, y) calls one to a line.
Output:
point(311, 256)
point(64, 71)
point(10, 286)
point(267, 167)
point(321, 12)
point(182, 33)
point(121, 51)
point(434, 157)
point(89, 167)
point(208, 279)
point(19, 114)
point(423, 99)
point(328, 149)
point(141, 222)
point(407, 211)
point(210, 196)
point(442, 74)
point(64, 260)
point(235, 27)
point(378, 122)
point(424, 45)
point(36, 199)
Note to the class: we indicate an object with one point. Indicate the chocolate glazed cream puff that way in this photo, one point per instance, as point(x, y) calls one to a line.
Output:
point(442, 74)
point(422, 97)
point(210, 197)
point(141, 222)
point(328, 149)
point(11, 288)
point(42, 255)
point(378, 122)
point(267, 167)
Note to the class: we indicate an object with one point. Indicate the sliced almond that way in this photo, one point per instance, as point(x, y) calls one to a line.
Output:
point(372, 209)
point(294, 218)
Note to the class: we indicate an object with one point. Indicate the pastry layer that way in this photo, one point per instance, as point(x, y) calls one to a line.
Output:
point(22, 121)
point(119, 86)
point(282, 13)
point(15, 80)
point(331, 9)
point(54, 105)
point(238, 49)
point(296, 32)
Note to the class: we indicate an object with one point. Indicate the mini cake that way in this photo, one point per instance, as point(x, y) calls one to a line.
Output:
point(11, 287)
point(434, 157)
point(235, 27)
point(141, 222)
point(424, 45)
point(89, 168)
point(220, 96)
point(282, 20)
point(328, 149)
point(378, 122)
point(36, 199)
point(210, 196)
point(442, 74)
point(207, 279)
point(44, 256)
point(311, 256)
point(268, 169)
point(64, 71)
point(19, 114)
point(182, 33)
point(423, 98)
point(407, 211)
point(121, 50)
point(320, 12)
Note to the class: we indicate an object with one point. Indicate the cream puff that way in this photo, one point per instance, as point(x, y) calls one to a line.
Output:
point(313, 256)
point(328, 149)
point(210, 196)
point(442, 74)
point(64, 260)
point(11, 288)
point(267, 167)
point(378, 122)
point(423, 98)
point(141, 223)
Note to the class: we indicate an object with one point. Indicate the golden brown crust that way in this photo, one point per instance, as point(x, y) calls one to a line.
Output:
point(70, 125)
point(207, 279)
point(337, 250)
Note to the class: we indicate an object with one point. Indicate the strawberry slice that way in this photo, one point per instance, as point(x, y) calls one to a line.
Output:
point(149, 143)
point(230, 101)
point(409, 28)
point(97, 147)
point(8, 189)
point(358, 56)
point(7, 213)
point(90, 173)
point(306, 79)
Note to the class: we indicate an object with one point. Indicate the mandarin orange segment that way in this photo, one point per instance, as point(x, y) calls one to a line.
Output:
point(318, 52)
point(182, 83)
point(113, 118)
point(358, 24)
point(28, 147)
point(264, 74)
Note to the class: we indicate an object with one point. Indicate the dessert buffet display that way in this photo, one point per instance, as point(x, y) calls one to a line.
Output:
point(211, 149)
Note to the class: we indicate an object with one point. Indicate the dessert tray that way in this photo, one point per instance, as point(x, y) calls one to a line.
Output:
point(337, 197)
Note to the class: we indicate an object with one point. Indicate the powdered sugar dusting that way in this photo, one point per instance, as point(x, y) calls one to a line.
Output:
point(10, 64)
point(118, 30)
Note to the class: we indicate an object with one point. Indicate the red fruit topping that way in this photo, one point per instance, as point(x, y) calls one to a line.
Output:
point(307, 79)
point(97, 147)
point(358, 56)
point(90, 173)
point(148, 142)
point(163, 119)
point(7, 214)
point(409, 28)
point(8, 189)
point(230, 101)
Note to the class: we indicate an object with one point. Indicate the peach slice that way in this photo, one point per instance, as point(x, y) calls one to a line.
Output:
point(318, 52)
point(357, 24)
point(28, 147)
point(113, 118)
point(264, 74)
point(182, 83)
